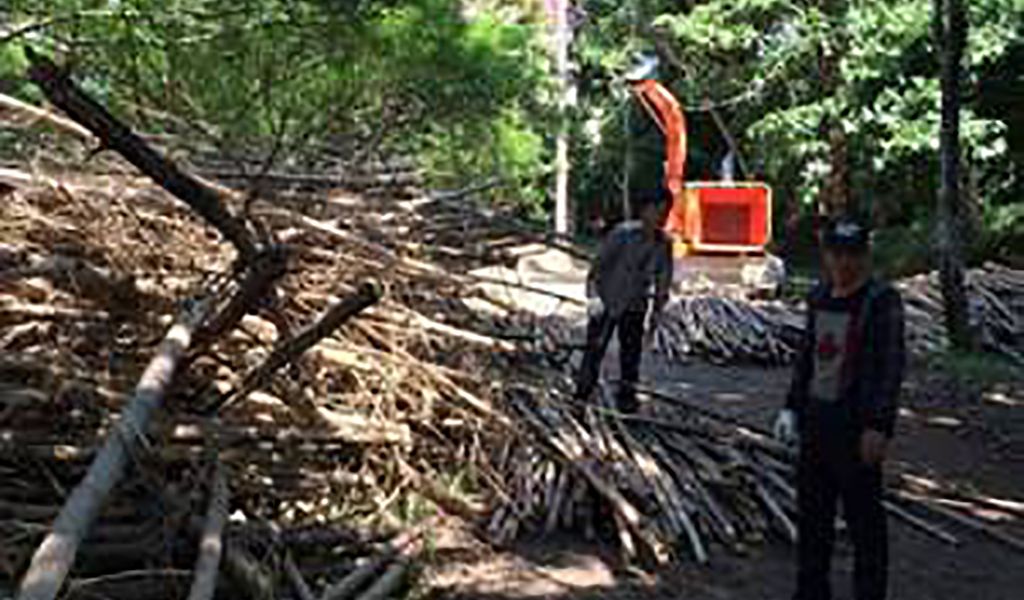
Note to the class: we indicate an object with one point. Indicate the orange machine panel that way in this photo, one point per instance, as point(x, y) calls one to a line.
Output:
point(723, 216)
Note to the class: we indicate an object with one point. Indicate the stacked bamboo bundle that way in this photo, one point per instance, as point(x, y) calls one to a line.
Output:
point(724, 329)
point(681, 481)
point(996, 308)
point(669, 487)
point(728, 328)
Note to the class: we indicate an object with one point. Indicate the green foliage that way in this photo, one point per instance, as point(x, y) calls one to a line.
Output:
point(418, 75)
point(12, 65)
point(759, 61)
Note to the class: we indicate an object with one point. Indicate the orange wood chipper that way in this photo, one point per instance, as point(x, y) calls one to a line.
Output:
point(720, 229)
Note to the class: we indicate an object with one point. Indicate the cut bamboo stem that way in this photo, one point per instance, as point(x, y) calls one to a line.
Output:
point(334, 318)
point(211, 543)
point(923, 525)
point(55, 556)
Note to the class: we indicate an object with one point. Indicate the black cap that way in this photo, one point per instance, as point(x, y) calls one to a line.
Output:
point(846, 232)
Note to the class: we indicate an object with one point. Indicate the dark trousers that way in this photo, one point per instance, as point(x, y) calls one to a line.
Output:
point(600, 328)
point(830, 470)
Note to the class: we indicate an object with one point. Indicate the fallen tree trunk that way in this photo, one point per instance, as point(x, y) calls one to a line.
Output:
point(63, 93)
point(55, 556)
point(263, 272)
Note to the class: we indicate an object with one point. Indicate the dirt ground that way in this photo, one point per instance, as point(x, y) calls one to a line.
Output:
point(946, 431)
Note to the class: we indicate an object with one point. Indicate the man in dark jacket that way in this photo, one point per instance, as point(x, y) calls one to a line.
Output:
point(842, 409)
point(635, 257)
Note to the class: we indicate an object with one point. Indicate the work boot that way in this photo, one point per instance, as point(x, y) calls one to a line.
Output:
point(626, 400)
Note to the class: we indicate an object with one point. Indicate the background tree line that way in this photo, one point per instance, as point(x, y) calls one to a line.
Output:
point(822, 98)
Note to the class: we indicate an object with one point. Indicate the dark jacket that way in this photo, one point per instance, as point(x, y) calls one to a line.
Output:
point(628, 265)
point(871, 373)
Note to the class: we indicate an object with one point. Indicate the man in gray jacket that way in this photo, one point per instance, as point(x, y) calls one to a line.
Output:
point(635, 257)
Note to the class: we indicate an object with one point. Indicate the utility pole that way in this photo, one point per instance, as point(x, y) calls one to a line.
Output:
point(627, 125)
point(558, 17)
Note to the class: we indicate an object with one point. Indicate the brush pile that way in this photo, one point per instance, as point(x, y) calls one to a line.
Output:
point(168, 405)
point(370, 424)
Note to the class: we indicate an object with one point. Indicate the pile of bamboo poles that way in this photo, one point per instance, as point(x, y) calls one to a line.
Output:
point(680, 481)
point(665, 487)
point(728, 328)
point(996, 310)
point(309, 420)
point(724, 329)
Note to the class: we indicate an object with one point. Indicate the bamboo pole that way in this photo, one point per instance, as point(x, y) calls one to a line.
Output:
point(967, 521)
point(55, 556)
point(34, 114)
point(337, 316)
point(930, 528)
point(360, 576)
point(211, 544)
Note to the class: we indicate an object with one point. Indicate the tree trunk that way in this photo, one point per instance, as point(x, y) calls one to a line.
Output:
point(834, 198)
point(59, 89)
point(950, 36)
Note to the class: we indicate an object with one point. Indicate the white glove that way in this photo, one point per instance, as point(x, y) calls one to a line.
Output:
point(785, 426)
point(594, 307)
